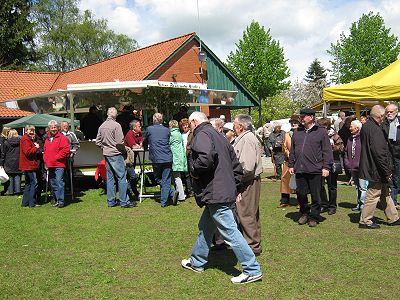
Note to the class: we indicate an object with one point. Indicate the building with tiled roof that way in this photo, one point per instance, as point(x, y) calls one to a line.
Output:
point(173, 60)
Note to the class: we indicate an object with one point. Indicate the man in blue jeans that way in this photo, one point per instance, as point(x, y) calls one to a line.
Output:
point(217, 175)
point(111, 139)
point(156, 139)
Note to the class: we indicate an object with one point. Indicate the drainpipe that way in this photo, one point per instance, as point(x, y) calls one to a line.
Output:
point(71, 110)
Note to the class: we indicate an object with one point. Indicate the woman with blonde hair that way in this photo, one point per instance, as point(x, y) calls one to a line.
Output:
point(29, 164)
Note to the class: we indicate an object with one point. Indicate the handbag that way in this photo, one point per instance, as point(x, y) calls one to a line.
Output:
point(3, 175)
point(337, 167)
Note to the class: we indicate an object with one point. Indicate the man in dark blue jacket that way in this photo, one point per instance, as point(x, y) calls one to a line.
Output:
point(376, 167)
point(217, 175)
point(310, 159)
point(156, 139)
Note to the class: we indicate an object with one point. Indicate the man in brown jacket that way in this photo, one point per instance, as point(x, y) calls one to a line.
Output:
point(248, 152)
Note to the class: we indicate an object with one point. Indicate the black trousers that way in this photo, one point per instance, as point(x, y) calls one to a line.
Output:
point(330, 201)
point(309, 184)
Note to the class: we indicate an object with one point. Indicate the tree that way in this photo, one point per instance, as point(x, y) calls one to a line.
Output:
point(16, 34)
point(315, 72)
point(368, 49)
point(260, 63)
point(69, 39)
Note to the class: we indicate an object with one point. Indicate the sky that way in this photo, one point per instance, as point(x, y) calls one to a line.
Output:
point(305, 29)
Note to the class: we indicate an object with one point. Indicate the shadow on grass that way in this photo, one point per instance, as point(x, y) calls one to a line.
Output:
point(224, 260)
point(296, 215)
point(355, 218)
point(347, 204)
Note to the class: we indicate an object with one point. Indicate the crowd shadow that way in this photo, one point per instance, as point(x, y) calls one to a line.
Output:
point(224, 260)
point(347, 205)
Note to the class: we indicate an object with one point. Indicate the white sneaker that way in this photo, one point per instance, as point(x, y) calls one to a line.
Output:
point(244, 278)
point(187, 264)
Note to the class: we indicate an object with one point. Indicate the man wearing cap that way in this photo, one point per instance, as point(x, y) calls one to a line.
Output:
point(229, 132)
point(310, 159)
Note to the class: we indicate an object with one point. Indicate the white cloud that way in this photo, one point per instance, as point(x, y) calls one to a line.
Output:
point(305, 28)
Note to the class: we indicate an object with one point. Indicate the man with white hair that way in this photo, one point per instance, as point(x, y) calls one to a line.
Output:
point(216, 174)
point(156, 138)
point(248, 151)
point(391, 127)
point(55, 151)
point(376, 167)
point(110, 139)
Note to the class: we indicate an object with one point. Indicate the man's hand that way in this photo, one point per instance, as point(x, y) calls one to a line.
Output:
point(325, 173)
point(238, 198)
point(291, 171)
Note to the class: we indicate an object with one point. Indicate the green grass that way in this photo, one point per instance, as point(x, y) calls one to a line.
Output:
point(87, 250)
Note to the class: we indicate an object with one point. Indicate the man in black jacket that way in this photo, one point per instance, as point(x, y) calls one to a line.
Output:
point(376, 167)
point(310, 159)
point(217, 174)
point(391, 127)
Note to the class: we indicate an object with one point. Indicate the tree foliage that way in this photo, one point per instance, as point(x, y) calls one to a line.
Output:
point(16, 34)
point(259, 62)
point(315, 72)
point(369, 48)
point(69, 39)
point(305, 95)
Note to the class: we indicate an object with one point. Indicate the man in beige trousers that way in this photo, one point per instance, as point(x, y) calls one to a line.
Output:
point(376, 167)
point(248, 151)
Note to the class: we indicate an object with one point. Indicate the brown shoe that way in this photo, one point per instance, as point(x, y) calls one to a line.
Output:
point(298, 206)
point(303, 219)
point(282, 205)
point(312, 223)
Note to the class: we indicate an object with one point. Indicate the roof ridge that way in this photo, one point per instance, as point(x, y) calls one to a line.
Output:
point(135, 50)
point(31, 72)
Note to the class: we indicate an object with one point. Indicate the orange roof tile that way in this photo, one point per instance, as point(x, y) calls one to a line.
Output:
point(18, 84)
point(135, 65)
point(6, 112)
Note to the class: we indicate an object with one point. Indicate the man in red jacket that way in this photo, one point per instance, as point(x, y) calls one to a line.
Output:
point(55, 152)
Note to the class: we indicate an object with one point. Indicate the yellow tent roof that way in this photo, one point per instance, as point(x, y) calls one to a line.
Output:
point(383, 85)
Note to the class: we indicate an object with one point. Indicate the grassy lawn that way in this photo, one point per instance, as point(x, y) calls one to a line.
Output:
point(87, 250)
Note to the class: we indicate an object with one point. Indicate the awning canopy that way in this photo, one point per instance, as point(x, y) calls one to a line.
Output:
point(37, 120)
point(384, 85)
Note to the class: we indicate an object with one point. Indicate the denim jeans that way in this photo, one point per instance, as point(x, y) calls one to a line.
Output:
point(361, 187)
point(221, 216)
point(132, 181)
point(394, 187)
point(29, 197)
point(13, 185)
point(115, 167)
point(56, 178)
point(162, 173)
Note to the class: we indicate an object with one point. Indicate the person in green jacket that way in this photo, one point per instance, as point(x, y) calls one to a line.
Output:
point(179, 161)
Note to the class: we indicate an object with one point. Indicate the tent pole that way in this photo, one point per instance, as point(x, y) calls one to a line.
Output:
point(357, 107)
point(71, 110)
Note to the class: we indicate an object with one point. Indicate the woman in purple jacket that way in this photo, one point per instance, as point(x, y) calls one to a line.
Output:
point(352, 160)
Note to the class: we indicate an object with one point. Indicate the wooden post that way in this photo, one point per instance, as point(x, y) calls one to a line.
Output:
point(357, 108)
point(71, 110)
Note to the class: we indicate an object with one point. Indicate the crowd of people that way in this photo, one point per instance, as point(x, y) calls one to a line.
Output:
point(220, 164)
point(310, 155)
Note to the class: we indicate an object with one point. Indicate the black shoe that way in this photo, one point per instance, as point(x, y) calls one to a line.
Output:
point(369, 226)
point(114, 205)
point(395, 223)
point(324, 210)
point(55, 204)
point(356, 209)
point(332, 212)
point(130, 205)
point(60, 205)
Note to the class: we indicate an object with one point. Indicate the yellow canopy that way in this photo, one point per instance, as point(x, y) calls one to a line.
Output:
point(383, 85)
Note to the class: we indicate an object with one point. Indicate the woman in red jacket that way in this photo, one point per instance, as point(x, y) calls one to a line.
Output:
point(28, 164)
